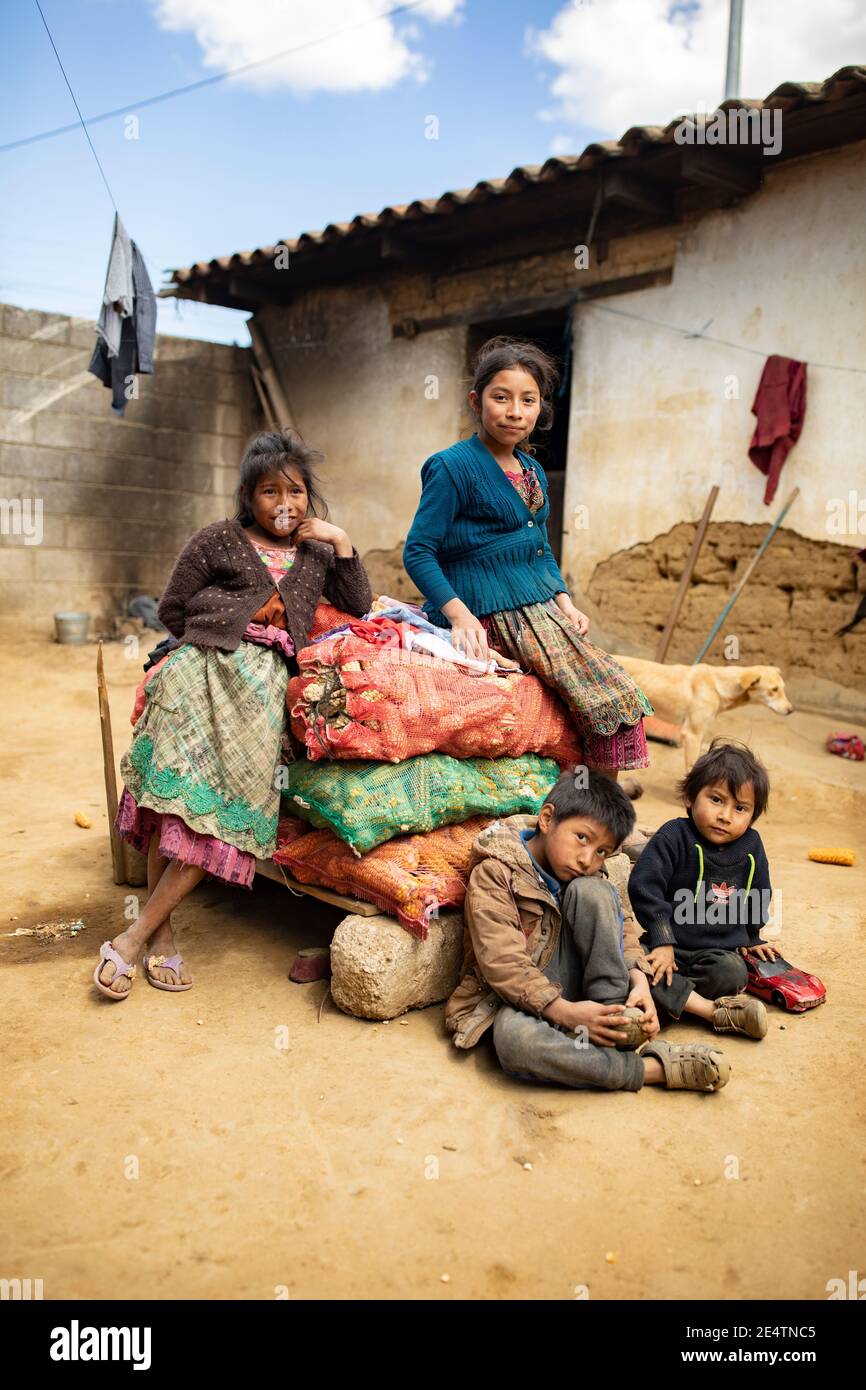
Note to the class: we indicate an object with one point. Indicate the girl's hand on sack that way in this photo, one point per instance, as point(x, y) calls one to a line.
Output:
point(468, 633)
point(313, 529)
point(662, 962)
point(469, 636)
point(580, 620)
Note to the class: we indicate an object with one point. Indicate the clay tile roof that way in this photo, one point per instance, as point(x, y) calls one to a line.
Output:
point(632, 145)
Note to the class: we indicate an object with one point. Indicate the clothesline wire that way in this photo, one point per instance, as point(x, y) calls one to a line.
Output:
point(411, 5)
point(74, 126)
point(202, 82)
point(77, 107)
point(707, 338)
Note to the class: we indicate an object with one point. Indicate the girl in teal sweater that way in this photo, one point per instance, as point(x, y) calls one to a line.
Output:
point(478, 551)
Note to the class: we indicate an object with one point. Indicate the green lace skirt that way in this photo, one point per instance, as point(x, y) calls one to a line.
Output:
point(209, 741)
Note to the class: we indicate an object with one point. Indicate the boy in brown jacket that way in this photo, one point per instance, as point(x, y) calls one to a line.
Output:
point(551, 962)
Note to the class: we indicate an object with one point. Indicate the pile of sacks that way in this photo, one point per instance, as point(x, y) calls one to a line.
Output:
point(412, 749)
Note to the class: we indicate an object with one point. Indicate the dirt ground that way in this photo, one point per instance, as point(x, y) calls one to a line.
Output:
point(370, 1161)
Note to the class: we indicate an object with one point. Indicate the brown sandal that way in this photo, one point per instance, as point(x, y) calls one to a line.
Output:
point(690, 1066)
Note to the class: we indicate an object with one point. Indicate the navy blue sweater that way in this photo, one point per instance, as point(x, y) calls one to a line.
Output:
point(688, 892)
point(474, 538)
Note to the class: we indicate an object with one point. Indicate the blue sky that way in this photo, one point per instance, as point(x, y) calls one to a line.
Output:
point(337, 128)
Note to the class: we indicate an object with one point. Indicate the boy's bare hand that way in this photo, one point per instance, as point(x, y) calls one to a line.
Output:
point(640, 998)
point(661, 961)
point(764, 951)
point(599, 1020)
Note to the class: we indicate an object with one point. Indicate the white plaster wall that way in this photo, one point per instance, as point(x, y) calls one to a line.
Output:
point(362, 397)
point(651, 428)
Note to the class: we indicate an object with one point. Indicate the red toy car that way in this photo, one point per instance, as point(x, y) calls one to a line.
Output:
point(779, 982)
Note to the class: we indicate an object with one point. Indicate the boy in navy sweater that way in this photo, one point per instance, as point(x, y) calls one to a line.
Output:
point(701, 891)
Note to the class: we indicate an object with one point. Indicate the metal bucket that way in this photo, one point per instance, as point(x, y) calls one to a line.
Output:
point(71, 628)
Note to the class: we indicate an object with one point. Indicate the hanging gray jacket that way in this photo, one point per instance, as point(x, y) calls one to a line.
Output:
point(137, 336)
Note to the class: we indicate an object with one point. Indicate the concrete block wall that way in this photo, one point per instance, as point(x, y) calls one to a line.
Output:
point(119, 496)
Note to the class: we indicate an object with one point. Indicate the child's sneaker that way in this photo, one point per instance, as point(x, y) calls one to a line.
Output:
point(740, 1013)
point(689, 1066)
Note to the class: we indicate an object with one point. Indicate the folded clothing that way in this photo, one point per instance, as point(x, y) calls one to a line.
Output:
point(356, 698)
point(410, 877)
point(367, 803)
point(393, 629)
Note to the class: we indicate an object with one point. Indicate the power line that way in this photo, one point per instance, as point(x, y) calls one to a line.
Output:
point(202, 82)
point(77, 107)
point(705, 337)
point(86, 131)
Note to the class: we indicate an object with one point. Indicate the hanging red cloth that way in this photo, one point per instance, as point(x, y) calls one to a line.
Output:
point(780, 408)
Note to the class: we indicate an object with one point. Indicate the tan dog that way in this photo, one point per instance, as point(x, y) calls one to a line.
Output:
point(693, 695)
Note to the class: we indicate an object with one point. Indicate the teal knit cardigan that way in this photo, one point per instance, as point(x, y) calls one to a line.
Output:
point(474, 537)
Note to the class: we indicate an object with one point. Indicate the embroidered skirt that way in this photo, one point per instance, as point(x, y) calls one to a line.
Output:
point(201, 768)
point(606, 704)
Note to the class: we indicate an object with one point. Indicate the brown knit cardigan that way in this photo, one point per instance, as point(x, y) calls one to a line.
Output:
point(219, 583)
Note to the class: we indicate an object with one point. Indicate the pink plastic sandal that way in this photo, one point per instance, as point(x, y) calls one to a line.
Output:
point(121, 967)
point(173, 963)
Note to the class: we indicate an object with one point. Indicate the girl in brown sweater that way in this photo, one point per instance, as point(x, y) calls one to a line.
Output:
point(202, 776)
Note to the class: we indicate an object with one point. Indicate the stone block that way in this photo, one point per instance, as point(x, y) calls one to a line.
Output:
point(379, 971)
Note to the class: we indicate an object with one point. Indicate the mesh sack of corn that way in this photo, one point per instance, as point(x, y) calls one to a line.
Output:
point(327, 616)
point(354, 699)
point(410, 877)
point(367, 803)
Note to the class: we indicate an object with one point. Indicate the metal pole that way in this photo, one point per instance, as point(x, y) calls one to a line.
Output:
point(735, 35)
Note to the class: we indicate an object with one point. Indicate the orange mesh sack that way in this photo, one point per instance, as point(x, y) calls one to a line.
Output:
point(354, 699)
point(327, 616)
point(369, 803)
point(409, 877)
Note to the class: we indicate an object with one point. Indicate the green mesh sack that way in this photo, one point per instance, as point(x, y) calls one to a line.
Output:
point(367, 803)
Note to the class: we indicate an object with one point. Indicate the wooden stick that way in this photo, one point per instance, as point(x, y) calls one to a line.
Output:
point(264, 401)
point(686, 577)
point(118, 862)
point(266, 366)
point(749, 568)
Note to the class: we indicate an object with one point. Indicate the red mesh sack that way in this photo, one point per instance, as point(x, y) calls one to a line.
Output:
point(356, 699)
point(409, 877)
point(289, 829)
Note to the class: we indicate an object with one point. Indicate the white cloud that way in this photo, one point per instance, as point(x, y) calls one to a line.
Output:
point(643, 62)
point(349, 48)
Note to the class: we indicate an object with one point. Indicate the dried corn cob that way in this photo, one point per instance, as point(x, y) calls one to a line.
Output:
point(833, 856)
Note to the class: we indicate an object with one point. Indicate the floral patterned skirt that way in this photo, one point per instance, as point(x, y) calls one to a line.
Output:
point(605, 702)
point(204, 757)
